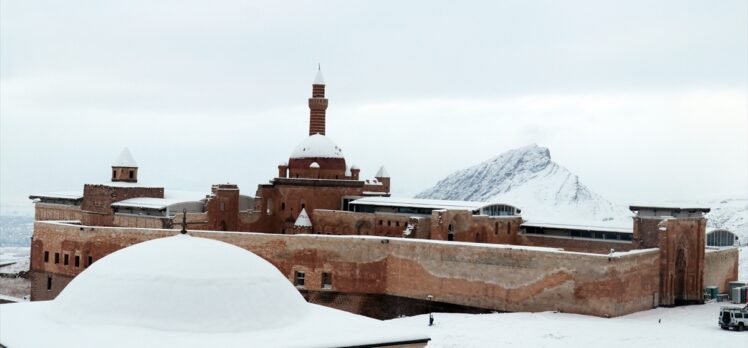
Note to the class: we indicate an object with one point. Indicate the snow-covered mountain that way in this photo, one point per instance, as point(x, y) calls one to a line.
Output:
point(527, 178)
point(729, 214)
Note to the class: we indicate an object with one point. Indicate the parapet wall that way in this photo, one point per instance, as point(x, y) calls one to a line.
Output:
point(497, 277)
point(50, 211)
point(720, 268)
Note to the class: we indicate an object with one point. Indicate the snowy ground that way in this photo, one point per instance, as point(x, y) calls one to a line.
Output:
point(690, 326)
point(14, 260)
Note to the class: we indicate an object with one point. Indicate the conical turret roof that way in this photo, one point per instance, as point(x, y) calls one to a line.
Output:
point(125, 159)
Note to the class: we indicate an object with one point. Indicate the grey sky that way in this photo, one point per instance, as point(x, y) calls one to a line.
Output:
point(645, 101)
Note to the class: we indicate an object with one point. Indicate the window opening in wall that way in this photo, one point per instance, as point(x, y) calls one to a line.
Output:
point(326, 280)
point(298, 278)
point(450, 232)
point(132, 174)
point(90, 261)
point(222, 206)
point(508, 227)
point(496, 228)
point(114, 174)
point(77, 261)
point(380, 222)
point(389, 223)
point(46, 256)
point(397, 223)
point(65, 259)
point(283, 205)
point(57, 257)
point(49, 282)
point(269, 204)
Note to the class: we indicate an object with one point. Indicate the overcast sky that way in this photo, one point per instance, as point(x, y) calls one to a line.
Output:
point(644, 100)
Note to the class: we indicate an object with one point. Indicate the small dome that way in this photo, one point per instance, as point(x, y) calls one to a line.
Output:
point(314, 165)
point(181, 283)
point(317, 146)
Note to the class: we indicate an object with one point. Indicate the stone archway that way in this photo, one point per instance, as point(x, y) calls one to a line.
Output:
point(363, 228)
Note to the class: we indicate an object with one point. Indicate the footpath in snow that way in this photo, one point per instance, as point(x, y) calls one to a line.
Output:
point(689, 326)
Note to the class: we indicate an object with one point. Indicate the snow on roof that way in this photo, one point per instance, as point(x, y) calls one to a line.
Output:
point(419, 203)
point(565, 226)
point(170, 198)
point(317, 146)
point(303, 219)
point(382, 173)
point(314, 165)
point(188, 292)
point(125, 159)
point(319, 79)
point(62, 194)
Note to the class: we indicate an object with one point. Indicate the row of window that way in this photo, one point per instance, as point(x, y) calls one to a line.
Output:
point(615, 236)
point(269, 205)
point(66, 259)
point(389, 223)
point(300, 278)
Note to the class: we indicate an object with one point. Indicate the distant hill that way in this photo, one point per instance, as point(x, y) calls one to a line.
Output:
point(528, 178)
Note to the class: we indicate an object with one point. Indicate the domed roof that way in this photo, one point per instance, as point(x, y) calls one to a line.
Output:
point(181, 283)
point(317, 146)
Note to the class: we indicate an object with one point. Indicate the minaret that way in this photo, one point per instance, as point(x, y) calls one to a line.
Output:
point(317, 105)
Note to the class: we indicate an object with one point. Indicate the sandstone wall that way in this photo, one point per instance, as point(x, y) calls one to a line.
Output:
point(504, 278)
point(720, 268)
point(575, 244)
point(125, 220)
point(48, 211)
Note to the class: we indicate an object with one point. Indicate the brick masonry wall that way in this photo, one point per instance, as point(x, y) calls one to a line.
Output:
point(466, 274)
point(720, 268)
point(574, 244)
point(59, 212)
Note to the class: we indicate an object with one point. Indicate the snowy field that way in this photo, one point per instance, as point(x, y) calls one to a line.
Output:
point(690, 326)
point(12, 261)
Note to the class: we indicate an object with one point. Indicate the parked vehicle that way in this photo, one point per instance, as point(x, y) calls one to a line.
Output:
point(733, 318)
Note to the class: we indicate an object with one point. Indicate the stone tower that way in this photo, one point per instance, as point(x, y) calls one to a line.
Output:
point(317, 106)
point(124, 168)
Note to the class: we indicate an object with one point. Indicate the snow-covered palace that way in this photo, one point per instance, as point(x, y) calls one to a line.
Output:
point(345, 243)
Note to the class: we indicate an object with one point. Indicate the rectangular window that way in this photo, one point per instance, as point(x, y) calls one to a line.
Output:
point(66, 259)
point(132, 174)
point(49, 282)
point(57, 258)
point(326, 280)
point(77, 261)
point(298, 278)
point(46, 256)
point(90, 261)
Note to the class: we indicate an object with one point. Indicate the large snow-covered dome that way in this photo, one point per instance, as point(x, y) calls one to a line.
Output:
point(181, 283)
point(317, 146)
